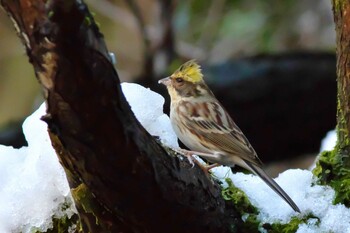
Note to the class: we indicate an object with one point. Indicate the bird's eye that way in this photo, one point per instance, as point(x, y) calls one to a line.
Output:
point(179, 80)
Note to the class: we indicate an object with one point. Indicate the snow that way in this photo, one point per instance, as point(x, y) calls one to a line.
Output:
point(33, 186)
point(300, 186)
point(328, 143)
point(148, 109)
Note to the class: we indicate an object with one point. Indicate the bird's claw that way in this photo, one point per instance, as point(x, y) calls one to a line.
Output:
point(190, 160)
point(187, 155)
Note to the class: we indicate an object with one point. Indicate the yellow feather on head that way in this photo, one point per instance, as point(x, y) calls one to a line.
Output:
point(189, 71)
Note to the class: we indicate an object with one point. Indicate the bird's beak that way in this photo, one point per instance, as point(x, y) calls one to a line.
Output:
point(165, 81)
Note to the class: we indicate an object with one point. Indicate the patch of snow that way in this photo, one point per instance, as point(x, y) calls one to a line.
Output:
point(33, 185)
point(148, 109)
point(328, 143)
point(300, 186)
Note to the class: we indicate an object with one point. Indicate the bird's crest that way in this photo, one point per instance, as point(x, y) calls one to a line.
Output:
point(190, 71)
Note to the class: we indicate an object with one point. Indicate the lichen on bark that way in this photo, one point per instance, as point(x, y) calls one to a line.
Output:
point(333, 167)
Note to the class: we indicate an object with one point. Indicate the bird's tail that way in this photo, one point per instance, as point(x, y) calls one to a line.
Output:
point(273, 185)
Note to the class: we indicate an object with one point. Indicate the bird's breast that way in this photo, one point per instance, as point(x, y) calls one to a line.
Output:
point(184, 132)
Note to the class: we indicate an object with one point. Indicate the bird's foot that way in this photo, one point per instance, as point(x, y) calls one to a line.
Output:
point(189, 155)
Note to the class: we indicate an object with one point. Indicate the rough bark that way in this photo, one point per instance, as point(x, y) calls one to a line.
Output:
point(334, 167)
point(128, 182)
point(341, 10)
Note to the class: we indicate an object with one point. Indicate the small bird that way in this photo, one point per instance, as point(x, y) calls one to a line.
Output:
point(204, 126)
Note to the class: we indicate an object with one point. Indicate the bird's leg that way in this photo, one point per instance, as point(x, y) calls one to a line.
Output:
point(189, 155)
point(212, 166)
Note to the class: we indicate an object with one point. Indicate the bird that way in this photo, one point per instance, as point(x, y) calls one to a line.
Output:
point(204, 126)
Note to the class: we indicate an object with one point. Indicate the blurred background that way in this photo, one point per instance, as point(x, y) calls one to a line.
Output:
point(270, 62)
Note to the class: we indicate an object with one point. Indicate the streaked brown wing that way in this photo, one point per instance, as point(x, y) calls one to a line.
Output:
point(216, 127)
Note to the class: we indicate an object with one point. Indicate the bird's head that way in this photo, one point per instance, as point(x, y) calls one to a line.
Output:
point(186, 81)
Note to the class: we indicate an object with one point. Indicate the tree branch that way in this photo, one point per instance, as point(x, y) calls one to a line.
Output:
point(131, 182)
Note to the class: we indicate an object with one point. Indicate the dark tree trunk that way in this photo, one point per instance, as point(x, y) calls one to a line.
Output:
point(123, 180)
point(341, 12)
point(334, 167)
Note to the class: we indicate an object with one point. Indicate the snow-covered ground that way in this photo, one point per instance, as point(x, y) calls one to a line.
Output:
point(33, 186)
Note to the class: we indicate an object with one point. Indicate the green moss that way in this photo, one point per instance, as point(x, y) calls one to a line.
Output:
point(291, 227)
point(88, 21)
point(251, 223)
point(82, 196)
point(242, 204)
point(238, 198)
point(249, 213)
point(330, 170)
point(324, 166)
point(65, 223)
point(338, 5)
